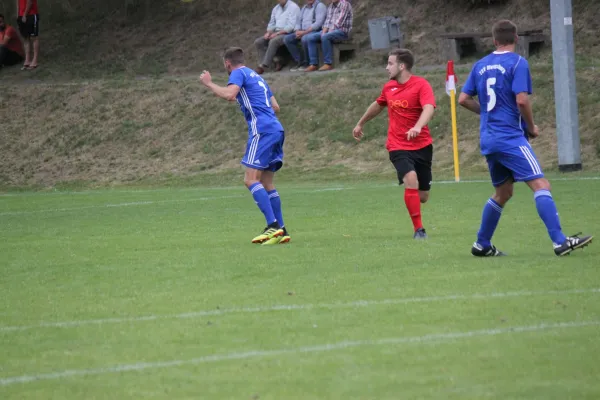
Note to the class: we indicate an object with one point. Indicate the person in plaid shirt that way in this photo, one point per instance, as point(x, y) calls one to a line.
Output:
point(337, 26)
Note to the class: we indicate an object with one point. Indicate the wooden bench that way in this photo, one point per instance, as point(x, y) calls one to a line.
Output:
point(456, 45)
point(346, 46)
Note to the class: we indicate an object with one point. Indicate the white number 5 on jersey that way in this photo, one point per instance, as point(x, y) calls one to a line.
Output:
point(491, 94)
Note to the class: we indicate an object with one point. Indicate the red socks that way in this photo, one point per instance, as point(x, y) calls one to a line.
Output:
point(413, 204)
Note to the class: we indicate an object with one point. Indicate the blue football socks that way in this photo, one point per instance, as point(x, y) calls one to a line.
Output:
point(546, 209)
point(262, 200)
point(489, 221)
point(276, 206)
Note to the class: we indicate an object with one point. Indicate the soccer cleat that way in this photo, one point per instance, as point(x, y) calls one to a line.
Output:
point(268, 234)
point(285, 238)
point(272, 241)
point(572, 243)
point(420, 234)
point(479, 251)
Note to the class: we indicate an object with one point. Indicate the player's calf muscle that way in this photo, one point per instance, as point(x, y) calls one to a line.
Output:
point(266, 179)
point(503, 195)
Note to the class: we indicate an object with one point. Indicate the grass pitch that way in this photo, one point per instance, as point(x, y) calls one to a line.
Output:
point(159, 294)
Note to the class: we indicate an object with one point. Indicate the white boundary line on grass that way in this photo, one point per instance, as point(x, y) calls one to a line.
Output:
point(237, 187)
point(117, 205)
point(292, 307)
point(152, 202)
point(423, 339)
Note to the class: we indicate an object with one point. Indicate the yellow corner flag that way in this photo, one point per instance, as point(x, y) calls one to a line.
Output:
point(451, 91)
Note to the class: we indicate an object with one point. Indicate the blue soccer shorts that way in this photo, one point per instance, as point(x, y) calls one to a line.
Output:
point(264, 151)
point(518, 163)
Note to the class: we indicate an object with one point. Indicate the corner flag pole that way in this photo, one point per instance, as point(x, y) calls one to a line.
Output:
point(451, 91)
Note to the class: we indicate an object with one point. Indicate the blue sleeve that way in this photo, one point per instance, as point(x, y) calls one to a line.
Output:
point(522, 78)
point(470, 86)
point(237, 77)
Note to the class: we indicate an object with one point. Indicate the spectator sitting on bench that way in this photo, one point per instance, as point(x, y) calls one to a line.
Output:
point(310, 22)
point(337, 26)
point(283, 21)
point(11, 47)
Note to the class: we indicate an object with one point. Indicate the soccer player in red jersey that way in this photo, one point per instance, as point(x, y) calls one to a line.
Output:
point(411, 104)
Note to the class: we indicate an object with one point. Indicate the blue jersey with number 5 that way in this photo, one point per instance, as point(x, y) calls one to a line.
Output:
point(254, 100)
point(496, 80)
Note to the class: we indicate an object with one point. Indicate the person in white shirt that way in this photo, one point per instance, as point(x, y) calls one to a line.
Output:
point(283, 21)
point(310, 22)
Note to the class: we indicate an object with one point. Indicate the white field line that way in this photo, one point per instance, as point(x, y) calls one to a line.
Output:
point(145, 203)
point(95, 192)
point(151, 202)
point(423, 339)
point(292, 307)
point(287, 188)
point(117, 205)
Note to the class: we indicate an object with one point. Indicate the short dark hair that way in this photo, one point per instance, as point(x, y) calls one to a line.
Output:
point(404, 56)
point(235, 55)
point(504, 32)
point(2, 16)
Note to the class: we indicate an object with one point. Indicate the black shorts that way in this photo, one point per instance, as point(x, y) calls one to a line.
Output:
point(419, 161)
point(31, 27)
point(8, 57)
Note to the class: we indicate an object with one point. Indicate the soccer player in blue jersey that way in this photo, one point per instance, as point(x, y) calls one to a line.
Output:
point(502, 83)
point(264, 152)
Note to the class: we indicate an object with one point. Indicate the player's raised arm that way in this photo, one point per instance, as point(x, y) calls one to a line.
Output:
point(374, 110)
point(228, 93)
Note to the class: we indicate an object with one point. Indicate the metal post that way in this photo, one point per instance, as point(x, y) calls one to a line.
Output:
point(565, 92)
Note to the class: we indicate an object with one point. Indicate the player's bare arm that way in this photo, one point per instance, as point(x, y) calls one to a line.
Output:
point(4, 41)
point(26, 12)
point(374, 110)
point(469, 103)
point(526, 110)
point(426, 115)
point(274, 104)
point(228, 93)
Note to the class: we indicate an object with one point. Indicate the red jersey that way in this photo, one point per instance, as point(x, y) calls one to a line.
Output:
point(14, 42)
point(32, 11)
point(405, 102)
